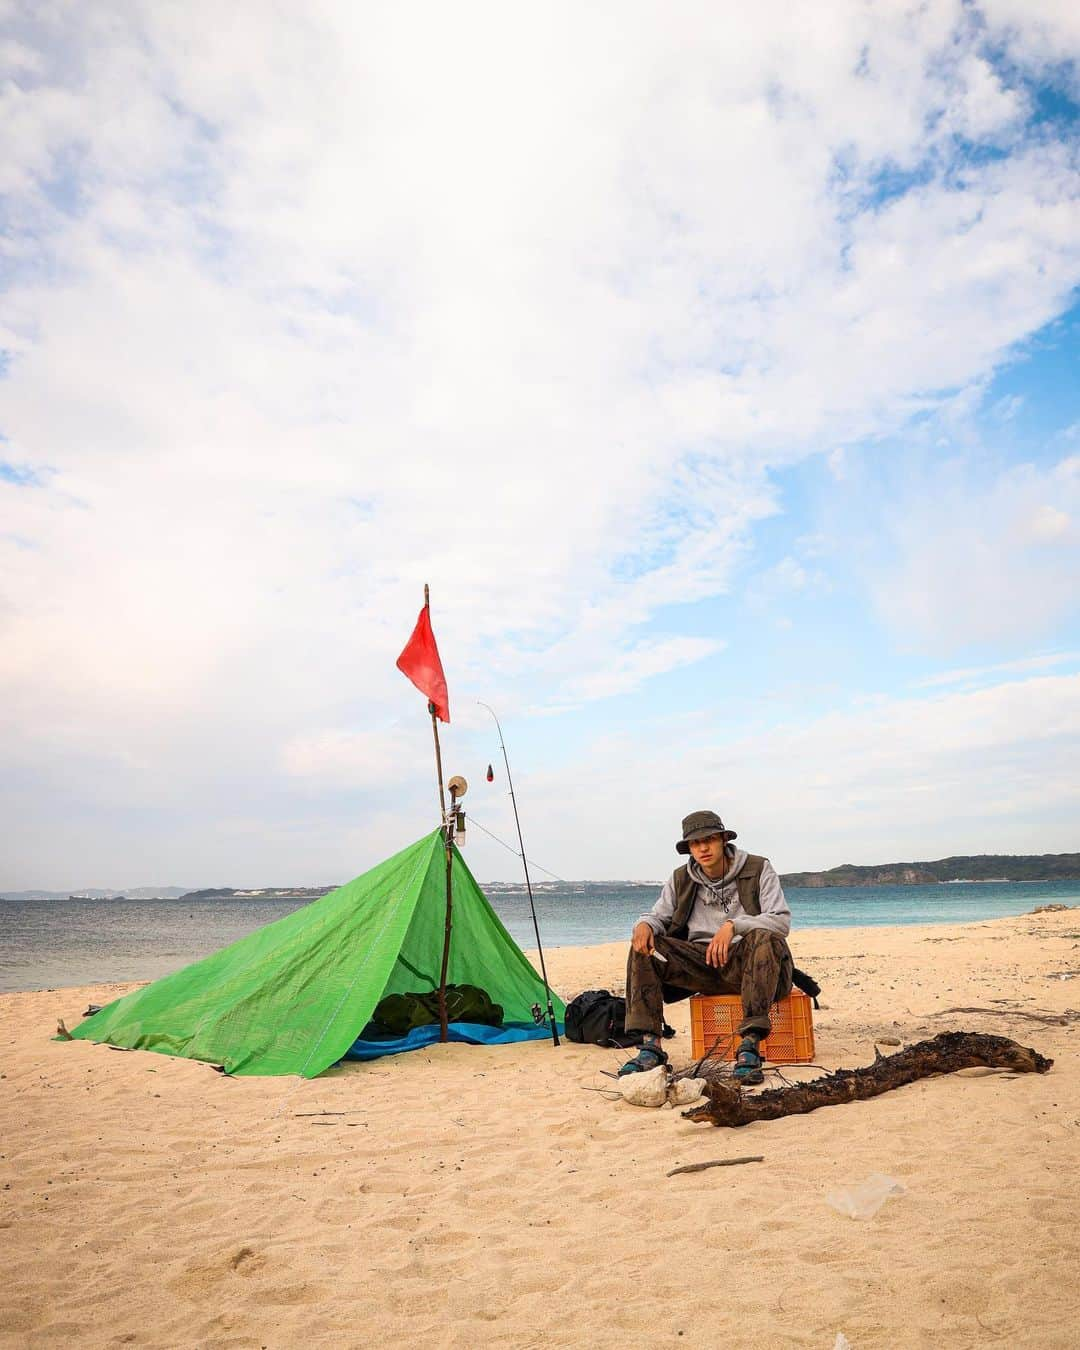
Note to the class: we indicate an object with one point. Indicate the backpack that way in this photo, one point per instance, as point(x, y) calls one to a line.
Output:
point(598, 1017)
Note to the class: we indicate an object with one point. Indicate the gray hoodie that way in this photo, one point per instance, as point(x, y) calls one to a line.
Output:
point(718, 901)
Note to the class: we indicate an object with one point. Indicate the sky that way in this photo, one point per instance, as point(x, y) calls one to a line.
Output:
point(717, 367)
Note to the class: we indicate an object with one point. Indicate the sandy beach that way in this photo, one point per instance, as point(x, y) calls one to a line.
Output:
point(486, 1196)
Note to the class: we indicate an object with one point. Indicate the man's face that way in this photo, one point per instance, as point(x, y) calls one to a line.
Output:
point(708, 852)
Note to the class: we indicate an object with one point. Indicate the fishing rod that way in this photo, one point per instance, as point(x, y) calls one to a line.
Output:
point(528, 883)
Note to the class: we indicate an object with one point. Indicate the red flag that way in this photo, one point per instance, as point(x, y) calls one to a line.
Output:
point(420, 662)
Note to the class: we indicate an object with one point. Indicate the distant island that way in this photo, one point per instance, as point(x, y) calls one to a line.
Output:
point(981, 867)
point(177, 893)
point(262, 893)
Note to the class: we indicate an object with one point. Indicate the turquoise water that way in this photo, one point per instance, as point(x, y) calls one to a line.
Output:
point(576, 917)
point(51, 943)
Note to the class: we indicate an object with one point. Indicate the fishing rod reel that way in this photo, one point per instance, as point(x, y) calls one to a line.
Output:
point(454, 830)
point(539, 1016)
point(454, 818)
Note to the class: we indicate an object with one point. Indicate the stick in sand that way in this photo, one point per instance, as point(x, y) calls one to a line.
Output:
point(716, 1162)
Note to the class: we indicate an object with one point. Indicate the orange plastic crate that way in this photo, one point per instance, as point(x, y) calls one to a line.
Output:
point(791, 1040)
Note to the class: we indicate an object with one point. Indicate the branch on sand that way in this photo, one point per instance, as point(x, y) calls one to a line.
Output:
point(1045, 1018)
point(716, 1162)
point(952, 1050)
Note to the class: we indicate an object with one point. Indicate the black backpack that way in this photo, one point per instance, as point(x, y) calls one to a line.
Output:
point(598, 1017)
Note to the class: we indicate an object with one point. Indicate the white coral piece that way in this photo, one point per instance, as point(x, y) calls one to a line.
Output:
point(645, 1089)
point(685, 1090)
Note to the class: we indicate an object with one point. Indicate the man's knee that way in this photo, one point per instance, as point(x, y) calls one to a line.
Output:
point(760, 937)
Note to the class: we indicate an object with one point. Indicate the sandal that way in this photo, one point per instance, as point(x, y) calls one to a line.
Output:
point(747, 1070)
point(647, 1058)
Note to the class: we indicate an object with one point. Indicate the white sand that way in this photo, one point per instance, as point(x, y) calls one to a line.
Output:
point(466, 1196)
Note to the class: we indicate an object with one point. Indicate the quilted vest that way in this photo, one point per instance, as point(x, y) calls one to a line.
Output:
point(746, 883)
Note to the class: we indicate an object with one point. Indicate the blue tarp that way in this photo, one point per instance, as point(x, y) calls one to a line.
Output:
point(472, 1033)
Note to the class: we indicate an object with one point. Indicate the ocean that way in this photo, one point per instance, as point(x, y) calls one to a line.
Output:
point(52, 943)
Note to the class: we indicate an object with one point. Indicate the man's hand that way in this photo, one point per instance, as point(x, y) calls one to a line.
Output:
point(643, 939)
point(720, 946)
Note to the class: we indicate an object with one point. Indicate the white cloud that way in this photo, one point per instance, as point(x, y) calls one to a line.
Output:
point(981, 559)
point(991, 770)
point(308, 310)
point(789, 575)
point(980, 672)
point(628, 669)
point(354, 759)
point(1006, 409)
point(769, 592)
point(1036, 34)
point(1047, 522)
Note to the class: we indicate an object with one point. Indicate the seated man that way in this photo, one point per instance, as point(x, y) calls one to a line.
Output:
point(719, 927)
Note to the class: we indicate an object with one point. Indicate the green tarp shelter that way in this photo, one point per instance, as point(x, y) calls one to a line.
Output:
point(291, 998)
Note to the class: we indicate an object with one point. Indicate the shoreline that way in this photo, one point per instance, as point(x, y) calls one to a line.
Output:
point(468, 1195)
point(501, 887)
point(799, 934)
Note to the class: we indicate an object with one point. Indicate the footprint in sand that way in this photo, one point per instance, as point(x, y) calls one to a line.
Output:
point(246, 1261)
point(200, 1278)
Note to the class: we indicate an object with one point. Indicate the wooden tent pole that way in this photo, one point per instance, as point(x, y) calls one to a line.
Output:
point(444, 1033)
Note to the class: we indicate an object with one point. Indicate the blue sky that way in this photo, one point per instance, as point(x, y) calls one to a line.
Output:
point(719, 376)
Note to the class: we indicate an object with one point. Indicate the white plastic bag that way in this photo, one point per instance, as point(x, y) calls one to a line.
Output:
point(863, 1199)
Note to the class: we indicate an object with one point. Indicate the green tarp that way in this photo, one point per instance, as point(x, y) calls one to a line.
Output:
point(292, 997)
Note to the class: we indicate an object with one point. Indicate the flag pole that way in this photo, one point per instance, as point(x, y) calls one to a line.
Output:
point(444, 1033)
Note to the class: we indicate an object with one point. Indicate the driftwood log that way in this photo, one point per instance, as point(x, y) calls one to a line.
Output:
point(952, 1050)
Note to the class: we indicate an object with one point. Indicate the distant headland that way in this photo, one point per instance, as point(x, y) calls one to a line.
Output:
point(981, 867)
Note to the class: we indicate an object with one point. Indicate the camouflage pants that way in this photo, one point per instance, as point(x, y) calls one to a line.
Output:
point(758, 967)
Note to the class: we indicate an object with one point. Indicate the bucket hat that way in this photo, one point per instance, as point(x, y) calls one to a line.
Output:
point(699, 825)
